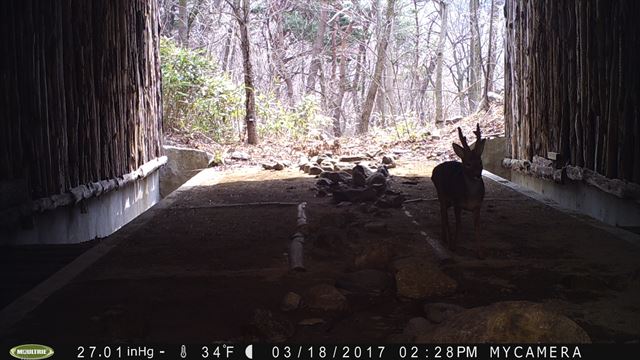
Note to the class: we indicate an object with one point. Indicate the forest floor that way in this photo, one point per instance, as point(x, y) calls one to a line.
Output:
point(210, 263)
point(434, 144)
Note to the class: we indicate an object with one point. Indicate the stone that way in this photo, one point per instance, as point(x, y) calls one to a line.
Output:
point(352, 158)
point(367, 281)
point(278, 166)
point(327, 165)
point(314, 170)
point(271, 327)
point(388, 160)
point(507, 322)
point(182, 165)
point(390, 201)
point(240, 155)
point(439, 312)
point(341, 166)
point(336, 176)
point(325, 298)
point(291, 301)
point(376, 226)
point(377, 256)
point(417, 326)
point(420, 279)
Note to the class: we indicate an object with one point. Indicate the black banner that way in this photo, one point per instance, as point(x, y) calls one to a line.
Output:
point(324, 351)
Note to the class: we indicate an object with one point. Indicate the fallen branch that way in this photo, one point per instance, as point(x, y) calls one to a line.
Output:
point(296, 248)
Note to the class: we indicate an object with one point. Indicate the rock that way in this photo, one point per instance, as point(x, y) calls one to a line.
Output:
point(390, 201)
point(419, 279)
point(291, 301)
point(240, 155)
point(376, 226)
point(305, 167)
point(377, 256)
point(326, 298)
point(311, 322)
point(341, 166)
point(271, 327)
point(388, 160)
point(417, 326)
point(336, 177)
point(453, 119)
point(182, 165)
point(314, 170)
point(378, 182)
point(364, 169)
point(324, 182)
point(352, 158)
point(327, 166)
point(279, 166)
point(507, 322)
point(368, 281)
point(439, 312)
point(358, 179)
point(268, 166)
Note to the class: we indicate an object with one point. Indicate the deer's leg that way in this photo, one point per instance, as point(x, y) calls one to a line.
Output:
point(476, 225)
point(444, 220)
point(457, 211)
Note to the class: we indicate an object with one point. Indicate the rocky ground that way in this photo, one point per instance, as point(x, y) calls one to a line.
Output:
point(421, 145)
point(211, 264)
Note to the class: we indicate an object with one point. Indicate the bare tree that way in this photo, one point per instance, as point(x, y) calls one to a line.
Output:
point(377, 73)
point(475, 60)
point(241, 12)
point(439, 58)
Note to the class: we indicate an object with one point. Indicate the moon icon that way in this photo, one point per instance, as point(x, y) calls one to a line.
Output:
point(249, 351)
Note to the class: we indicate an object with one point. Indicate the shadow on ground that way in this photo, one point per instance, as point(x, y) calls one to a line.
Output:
point(213, 265)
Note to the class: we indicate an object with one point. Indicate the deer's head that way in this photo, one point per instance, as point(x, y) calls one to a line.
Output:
point(471, 158)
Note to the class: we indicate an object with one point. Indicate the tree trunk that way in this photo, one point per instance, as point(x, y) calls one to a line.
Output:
point(183, 23)
point(241, 11)
point(475, 60)
point(488, 80)
point(363, 127)
point(439, 120)
point(316, 50)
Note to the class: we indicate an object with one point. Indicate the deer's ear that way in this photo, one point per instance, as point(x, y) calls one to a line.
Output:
point(479, 147)
point(459, 150)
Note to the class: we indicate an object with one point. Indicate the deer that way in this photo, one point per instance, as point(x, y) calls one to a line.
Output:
point(459, 184)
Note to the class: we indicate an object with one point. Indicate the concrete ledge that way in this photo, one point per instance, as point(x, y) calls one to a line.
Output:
point(103, 216)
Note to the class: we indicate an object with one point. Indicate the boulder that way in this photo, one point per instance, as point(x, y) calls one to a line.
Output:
point(182, 165)
point(439, 312)
point(377, 256)
point(507, 322)
point(325, 298)
point(272, 327)
point(291, 301)
point(240, 155)
point(314, 170)
point(352, 158)
point(417, 327)
point(420, 279)
point(367, 281)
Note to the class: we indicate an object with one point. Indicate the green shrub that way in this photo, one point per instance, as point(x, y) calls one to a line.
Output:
point(196, 96)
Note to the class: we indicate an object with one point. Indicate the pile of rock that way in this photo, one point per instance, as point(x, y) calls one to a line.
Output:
point(353, 178)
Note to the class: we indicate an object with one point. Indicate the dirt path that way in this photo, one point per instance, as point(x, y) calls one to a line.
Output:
point(200, 271)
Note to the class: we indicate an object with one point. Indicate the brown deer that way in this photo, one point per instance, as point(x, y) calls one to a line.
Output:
point(459, 184)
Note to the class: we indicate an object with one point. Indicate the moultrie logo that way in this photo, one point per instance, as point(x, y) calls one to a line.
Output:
point(31, 351)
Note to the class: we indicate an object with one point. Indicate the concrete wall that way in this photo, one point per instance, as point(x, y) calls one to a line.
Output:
point(105, 214)
point(495, 150)
point(585, 199)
